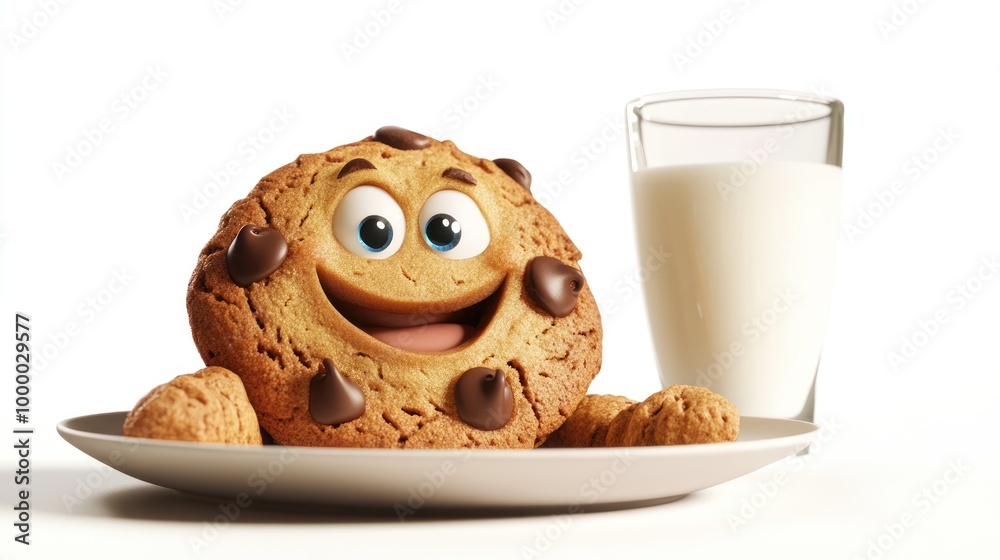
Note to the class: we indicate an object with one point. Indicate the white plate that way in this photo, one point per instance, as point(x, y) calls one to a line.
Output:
point(407, 480)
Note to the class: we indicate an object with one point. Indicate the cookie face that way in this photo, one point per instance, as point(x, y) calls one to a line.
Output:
point(397, 292)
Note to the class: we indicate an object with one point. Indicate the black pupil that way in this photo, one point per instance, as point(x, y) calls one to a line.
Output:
point(375, 232)
point(443, 231)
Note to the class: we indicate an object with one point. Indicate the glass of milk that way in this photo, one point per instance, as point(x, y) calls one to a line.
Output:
point(742, 189)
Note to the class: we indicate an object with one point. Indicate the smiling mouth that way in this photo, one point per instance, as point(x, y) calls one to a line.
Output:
point(431, 331)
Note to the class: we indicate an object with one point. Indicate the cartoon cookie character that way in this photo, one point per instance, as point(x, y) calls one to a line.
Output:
point(393, 292)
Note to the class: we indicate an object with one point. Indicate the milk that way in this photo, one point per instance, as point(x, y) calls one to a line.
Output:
point(741, 304)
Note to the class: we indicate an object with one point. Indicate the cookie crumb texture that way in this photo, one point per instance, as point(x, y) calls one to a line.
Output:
point(276, 332)
point(588, 426)
point(207, 406)
point(679, 414)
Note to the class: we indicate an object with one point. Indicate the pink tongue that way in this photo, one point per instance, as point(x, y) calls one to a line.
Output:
point(436, 337)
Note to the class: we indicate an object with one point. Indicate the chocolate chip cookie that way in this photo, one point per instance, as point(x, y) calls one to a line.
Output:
point(397, 292)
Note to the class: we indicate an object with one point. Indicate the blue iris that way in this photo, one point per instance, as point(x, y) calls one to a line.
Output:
point(375, 233)
point(442, 232)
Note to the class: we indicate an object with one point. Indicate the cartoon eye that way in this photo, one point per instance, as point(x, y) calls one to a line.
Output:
point(369, 223)
point(453, 225)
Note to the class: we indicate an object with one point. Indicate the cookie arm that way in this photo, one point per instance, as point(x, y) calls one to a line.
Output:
point(679, 414)
point(588, 425)
point(210, 405)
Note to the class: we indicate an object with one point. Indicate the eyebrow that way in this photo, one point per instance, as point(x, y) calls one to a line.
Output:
point(456, 173)
point(356, 164)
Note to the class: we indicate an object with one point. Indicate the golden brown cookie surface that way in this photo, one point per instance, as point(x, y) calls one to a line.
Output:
point(207, 406)
point(355, 317)
point(679, 414)
point(588, 425)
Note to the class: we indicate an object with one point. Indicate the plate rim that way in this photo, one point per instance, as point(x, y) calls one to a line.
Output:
point(809, 430)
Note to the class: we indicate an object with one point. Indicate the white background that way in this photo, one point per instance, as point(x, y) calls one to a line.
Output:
point(558, 85)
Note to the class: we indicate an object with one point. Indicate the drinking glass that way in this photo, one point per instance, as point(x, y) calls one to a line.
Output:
point(741, 188)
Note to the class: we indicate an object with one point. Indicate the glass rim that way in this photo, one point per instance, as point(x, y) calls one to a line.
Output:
point(634, 107)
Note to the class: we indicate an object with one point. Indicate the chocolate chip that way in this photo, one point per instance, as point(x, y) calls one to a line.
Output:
point(554, 285)
point(356, 164)
point(484, 399)
point(256, 252)
point(333, 398)
point(515, 171)
point(401, 139)
point(456, 173)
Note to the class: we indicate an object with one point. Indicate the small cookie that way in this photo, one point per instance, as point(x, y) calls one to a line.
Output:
point(679, 414)
point(210, 405)
point(588, 425)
